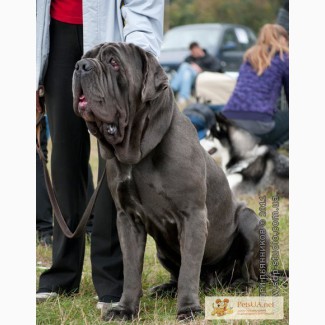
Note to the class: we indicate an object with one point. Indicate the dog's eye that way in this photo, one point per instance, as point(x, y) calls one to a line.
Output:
point(114, 64)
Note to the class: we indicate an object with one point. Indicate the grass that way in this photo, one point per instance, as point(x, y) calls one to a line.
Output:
point(81, 308)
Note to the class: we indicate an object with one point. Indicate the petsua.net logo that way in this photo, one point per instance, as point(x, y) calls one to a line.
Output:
point(245, 307)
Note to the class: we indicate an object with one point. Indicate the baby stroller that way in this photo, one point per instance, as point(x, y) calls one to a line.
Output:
point(212, 91)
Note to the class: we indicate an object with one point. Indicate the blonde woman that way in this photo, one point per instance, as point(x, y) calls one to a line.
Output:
point(265, 70)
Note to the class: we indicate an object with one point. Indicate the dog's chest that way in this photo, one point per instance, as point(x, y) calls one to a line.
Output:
point(142, 196)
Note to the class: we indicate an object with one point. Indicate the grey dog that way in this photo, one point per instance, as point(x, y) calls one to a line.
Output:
point(162, 181)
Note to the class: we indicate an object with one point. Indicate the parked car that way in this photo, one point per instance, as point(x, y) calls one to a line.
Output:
point(227, 42)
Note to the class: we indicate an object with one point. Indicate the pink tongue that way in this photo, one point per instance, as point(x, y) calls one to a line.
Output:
point(82, 101)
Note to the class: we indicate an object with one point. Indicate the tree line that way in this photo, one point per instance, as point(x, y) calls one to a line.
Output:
point(252, 13)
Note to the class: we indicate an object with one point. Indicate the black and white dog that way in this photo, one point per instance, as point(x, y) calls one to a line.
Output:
point(249, 166)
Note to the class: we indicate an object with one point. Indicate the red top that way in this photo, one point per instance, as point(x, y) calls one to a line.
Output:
point(67, 11)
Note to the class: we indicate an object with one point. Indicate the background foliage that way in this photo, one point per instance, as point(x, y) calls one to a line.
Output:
point(253, 13)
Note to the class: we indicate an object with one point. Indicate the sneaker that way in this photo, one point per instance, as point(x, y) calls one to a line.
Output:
point(107, 301)
point(43, 296)
point(105, 308)
point(106, 305)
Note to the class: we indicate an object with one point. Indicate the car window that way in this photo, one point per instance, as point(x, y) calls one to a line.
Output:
point(230, 38)
point(180, 39)
point(244, 38)
point(252, 37)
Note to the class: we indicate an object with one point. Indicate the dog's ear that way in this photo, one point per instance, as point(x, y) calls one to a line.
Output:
point(155, 79)
point(153, 109)
point(220, 129)
point(223, 123)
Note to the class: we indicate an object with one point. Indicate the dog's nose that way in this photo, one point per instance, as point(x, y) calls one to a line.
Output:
point(84, 65)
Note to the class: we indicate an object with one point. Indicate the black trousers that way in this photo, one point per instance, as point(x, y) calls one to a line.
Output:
point(280, 133)
point(69, 167)
point(44, 217)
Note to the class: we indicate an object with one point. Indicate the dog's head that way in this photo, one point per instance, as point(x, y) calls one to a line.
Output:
point(122, 93)
point(244, 154)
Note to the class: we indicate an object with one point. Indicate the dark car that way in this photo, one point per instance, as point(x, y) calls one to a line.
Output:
point(227, 42)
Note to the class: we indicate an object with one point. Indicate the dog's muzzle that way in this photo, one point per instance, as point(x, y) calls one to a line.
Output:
point(84, 103)
point(83, 66)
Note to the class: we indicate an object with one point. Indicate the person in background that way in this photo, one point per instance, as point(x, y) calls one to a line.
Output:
point(282, 18)
point(265, 70)
point(198, 61)
point(66, 29)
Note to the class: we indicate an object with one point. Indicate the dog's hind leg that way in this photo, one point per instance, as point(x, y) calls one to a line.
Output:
point(257, 246)
point(168, 289)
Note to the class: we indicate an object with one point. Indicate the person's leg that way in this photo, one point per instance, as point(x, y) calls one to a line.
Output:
point(175, 83)
point(44, 217)
point(188, 77)
point(70, 156)
point(106, 255)
point(184, 74)
point(280, 132)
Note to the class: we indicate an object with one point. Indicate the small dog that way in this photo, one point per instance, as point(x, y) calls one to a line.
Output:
point(249, 166)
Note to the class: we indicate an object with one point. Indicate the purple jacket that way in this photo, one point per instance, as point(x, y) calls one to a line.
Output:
point(255, 97)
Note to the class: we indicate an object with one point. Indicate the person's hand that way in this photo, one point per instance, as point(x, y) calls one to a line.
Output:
point(39, 101)
point(196, 67)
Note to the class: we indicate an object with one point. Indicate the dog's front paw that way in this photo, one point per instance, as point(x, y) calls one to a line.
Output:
point(189, 314)
point(117, 313)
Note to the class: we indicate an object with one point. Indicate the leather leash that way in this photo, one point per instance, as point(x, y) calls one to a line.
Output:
point(80, 230)
point(40, 112)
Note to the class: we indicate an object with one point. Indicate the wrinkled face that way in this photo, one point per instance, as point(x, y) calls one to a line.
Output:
point(122, 93)
point(105, 87)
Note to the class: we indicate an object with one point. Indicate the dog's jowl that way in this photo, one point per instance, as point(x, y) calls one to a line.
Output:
point(163, 182)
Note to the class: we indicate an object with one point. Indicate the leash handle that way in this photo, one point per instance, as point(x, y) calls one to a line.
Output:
point(40, 104)
point(40, 112)
point(80, 230)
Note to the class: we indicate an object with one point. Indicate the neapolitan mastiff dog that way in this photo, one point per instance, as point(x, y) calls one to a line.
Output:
point(162, 181)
